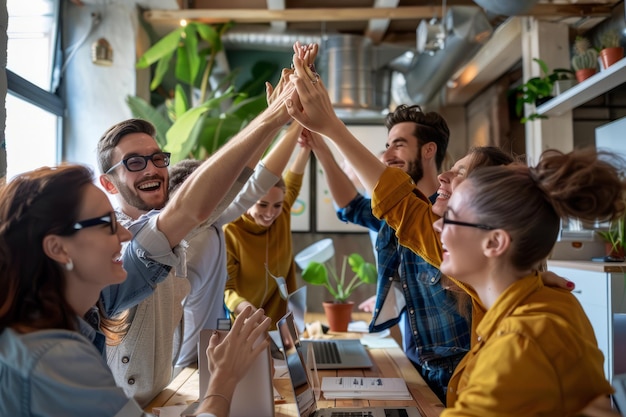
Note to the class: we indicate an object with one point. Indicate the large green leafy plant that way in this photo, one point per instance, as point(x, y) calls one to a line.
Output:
point(195, 120)
point(364, 273)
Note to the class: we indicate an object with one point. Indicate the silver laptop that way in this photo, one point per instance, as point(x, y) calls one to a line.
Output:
point(304, 394)
point(331, 354)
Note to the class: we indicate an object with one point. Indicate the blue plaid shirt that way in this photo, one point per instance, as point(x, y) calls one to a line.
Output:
point(408, 284)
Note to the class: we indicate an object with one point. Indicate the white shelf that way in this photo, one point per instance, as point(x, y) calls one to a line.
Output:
point(589, 89)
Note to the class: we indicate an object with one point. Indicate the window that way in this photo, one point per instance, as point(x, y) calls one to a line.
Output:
point(32, 131)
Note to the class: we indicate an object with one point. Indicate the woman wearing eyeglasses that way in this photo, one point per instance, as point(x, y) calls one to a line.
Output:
point(534, 352)
point(533, 349)
point(60, 246)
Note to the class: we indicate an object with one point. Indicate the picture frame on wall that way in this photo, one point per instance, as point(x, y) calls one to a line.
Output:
point(374, 137)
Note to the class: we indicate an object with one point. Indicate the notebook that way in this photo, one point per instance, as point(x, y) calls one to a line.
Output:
point(304, 393)
point(254, 394)
point(331, 354)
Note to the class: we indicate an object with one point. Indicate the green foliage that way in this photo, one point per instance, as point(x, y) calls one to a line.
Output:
point(538, 88)
point(584, 55)
point(609, 39)
point(191, 119)
point(364, 273)
point(616, 235)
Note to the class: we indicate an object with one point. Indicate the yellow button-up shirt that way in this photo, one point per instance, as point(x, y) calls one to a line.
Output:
point(533, 352)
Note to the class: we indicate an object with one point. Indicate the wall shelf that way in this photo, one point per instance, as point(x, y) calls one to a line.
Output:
point(589, 89)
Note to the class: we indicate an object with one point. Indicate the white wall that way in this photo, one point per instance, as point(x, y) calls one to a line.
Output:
point(95, 95)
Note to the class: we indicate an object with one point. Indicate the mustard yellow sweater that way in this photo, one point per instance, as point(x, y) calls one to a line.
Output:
point(246, 244)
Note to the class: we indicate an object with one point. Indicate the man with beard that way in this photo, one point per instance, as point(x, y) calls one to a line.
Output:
point(143, 337)
point(410, 292)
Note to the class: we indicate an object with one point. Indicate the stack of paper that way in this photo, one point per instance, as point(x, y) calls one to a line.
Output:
point(367, 388)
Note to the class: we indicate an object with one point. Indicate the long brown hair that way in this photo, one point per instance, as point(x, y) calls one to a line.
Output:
point(33, 205)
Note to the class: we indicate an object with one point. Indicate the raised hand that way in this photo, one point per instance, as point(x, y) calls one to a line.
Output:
point(244, 342)
point(311, 106)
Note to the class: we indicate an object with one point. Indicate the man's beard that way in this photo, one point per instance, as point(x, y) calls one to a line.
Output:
point(415, 170)
point(134, 200)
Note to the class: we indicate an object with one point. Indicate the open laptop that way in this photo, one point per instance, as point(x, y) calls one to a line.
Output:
point(330, 354)
point(305, 396)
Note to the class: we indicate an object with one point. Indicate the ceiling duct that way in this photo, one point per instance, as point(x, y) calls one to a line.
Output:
point(356, 72)
point(419, 77)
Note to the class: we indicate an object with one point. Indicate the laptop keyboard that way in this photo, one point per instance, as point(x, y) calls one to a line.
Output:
point(351, 414)
point(326, 352)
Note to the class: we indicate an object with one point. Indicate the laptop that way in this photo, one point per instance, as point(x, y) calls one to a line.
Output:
point(305, 395)
point(254, 394)
point(330, 354)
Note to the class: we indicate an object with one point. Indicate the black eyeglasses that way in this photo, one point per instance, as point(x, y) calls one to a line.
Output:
point(457, 223)
point(139, 162)
point(108, 219)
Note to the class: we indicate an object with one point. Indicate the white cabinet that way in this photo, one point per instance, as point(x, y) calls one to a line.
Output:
point(601, 290)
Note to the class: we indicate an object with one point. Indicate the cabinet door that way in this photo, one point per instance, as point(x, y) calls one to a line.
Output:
point(592, 291)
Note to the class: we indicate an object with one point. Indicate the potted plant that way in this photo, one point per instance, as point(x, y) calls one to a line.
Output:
point(339, 311)
point(191, 118)
point(610, 51)
point(538, 90)
point(615, 238)
point(585, 59)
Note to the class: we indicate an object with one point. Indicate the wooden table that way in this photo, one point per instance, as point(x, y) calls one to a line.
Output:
point(388, 362)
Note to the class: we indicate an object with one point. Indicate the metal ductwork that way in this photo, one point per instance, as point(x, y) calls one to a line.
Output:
point(361, 77)
point(355, 71)
point(419, 77)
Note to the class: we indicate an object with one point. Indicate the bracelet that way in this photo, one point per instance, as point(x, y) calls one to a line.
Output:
point(217, 395)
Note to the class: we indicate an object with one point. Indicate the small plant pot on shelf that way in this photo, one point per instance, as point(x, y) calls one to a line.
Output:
point(584, 73)
point(609, 56)
point(613, 251)
point(338, 315)
point(560, 86)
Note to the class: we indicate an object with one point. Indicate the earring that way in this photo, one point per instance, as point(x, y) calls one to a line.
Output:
point(69, 265)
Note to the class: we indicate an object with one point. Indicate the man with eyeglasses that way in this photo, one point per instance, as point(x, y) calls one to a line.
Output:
point(141, 317)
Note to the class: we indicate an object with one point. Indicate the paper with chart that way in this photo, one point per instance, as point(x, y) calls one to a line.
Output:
point(370, 388)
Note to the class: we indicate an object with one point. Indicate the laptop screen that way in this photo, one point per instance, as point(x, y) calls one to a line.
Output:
point(302, 391)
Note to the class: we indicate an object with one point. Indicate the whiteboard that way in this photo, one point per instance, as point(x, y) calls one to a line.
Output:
point(374, 137)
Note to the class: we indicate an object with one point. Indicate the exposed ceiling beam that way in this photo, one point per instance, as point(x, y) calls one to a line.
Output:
point(277, 5)
point(353, 14)
point(495, 58)
point(377, 28)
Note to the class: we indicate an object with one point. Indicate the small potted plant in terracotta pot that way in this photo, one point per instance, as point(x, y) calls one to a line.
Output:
point(339, 311)
point(611, 51)
point(615, 238)
point(585, 59)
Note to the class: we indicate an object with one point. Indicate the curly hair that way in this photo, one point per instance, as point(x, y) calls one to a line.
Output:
point(33, 205)
point(429, 127)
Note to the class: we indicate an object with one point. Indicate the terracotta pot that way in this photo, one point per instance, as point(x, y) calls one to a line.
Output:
point(614, 252)
point(583, 74)
point(610, 56)
point(338, 315)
